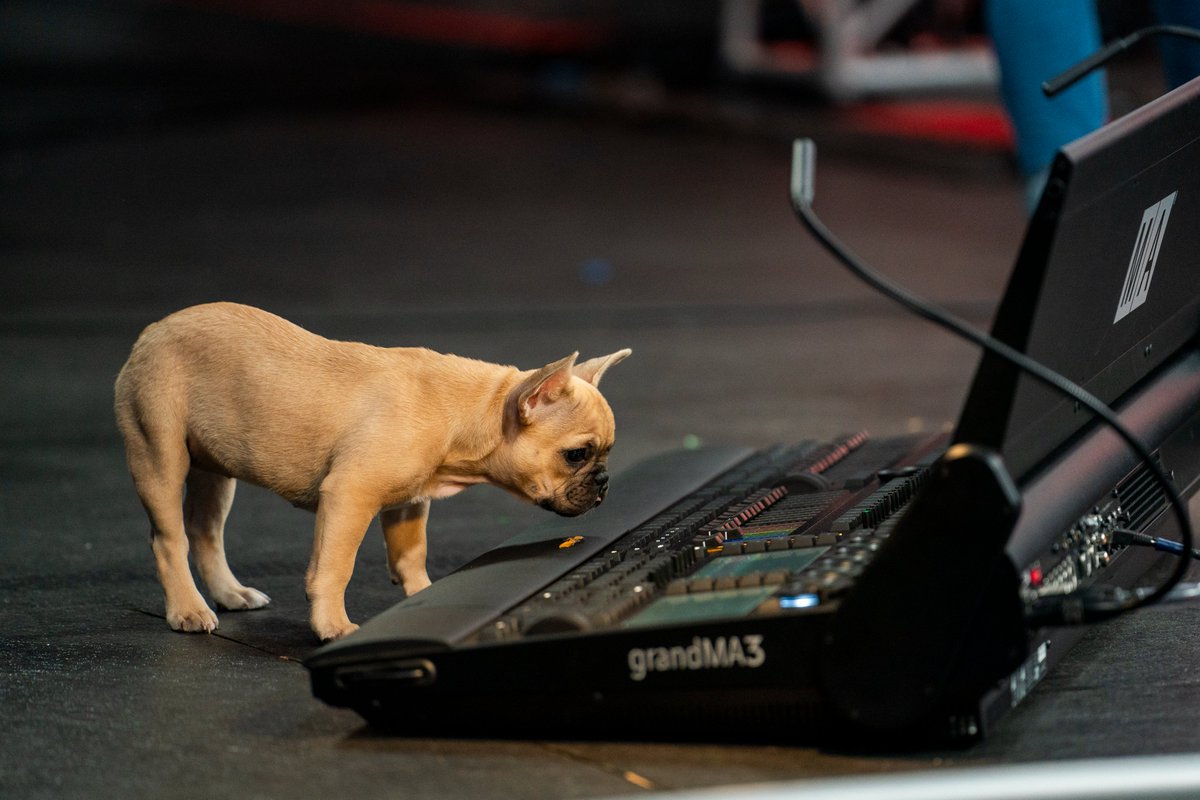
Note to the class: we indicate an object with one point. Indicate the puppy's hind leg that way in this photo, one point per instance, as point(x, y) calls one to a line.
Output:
point(205, 509)
point(158, 476)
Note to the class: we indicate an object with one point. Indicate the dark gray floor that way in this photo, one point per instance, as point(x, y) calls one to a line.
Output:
point(467, 230)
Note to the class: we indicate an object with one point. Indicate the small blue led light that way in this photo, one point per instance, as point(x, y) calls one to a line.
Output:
point(800, 601)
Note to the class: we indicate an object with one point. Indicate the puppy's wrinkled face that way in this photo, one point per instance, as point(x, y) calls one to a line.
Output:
point(563, 452)
point(561, 434)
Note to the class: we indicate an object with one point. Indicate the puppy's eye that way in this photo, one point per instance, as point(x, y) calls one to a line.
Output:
point(576, 456)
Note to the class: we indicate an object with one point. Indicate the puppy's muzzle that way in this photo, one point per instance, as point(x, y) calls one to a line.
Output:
point(584, 495)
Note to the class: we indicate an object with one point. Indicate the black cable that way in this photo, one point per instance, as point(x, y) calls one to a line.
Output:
point(1059, 609)
point(1104, 54)
point(1123, 536)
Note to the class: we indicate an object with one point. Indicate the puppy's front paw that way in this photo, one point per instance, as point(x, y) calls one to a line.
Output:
point(332, 633)
point(193, 620)
point(413, 580)
point(243, 598)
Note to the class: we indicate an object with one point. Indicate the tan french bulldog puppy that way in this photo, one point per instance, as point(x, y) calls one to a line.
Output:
point(223, 392)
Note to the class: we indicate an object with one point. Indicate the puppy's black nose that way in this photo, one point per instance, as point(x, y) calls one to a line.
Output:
point(601, 481)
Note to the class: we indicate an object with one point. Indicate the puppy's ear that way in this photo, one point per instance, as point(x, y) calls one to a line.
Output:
point(542, 388)
point(592, 369)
